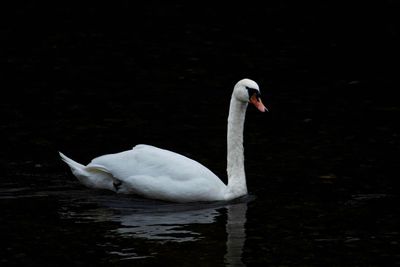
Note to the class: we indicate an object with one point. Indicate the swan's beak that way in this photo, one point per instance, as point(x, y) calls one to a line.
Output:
point(256, 101)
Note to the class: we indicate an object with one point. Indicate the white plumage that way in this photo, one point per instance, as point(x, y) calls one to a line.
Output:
point(161, 174)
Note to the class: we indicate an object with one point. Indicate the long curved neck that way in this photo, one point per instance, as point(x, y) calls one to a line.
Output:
point(236, 175)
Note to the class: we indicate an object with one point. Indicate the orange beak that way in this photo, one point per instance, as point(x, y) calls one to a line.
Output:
point(256, 101)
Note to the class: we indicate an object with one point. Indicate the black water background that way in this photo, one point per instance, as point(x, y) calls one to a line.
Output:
point(89, 80)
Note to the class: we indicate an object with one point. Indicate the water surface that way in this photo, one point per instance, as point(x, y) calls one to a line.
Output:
point(322, 165)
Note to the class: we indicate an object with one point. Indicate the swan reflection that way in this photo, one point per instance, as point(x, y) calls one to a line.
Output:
point(166, 224)
point(235, 228)
point(169, 222)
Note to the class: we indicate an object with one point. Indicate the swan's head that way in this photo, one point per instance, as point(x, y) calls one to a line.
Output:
point(247, 90)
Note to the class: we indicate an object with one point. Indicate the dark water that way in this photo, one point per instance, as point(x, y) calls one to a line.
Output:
point(322, 165)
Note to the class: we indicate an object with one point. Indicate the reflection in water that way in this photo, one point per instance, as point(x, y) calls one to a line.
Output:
point(164, 222)
point(235, 228)
point(166, 225)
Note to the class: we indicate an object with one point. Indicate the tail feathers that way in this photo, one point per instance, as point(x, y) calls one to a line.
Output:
point(93, 176)
point(72, 164)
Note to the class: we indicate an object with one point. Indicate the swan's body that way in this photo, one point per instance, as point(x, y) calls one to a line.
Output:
point(161, 174)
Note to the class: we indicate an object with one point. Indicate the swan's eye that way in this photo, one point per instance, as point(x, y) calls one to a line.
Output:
point(252, 92)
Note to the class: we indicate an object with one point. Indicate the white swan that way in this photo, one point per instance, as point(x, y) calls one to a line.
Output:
point(161, 174)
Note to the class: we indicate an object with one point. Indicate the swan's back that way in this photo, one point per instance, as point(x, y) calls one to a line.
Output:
point(151, 171)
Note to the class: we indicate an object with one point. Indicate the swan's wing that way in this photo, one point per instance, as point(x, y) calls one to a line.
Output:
point(158, 173)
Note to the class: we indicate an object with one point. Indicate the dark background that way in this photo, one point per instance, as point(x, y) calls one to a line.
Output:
point(91, 79)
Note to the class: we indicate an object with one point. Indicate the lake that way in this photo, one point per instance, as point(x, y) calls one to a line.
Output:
point(91, 80)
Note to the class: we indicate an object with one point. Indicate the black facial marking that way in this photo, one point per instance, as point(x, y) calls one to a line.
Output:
point(253, 91)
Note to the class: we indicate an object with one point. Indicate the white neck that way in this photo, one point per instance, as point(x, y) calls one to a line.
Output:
point(236, 175)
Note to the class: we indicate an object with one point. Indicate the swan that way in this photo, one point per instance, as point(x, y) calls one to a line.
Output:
point(160, 174)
